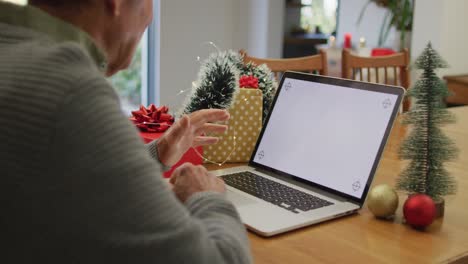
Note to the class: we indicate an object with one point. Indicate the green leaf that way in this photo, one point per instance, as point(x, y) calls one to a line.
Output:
point(383, 27)
point(363, 10)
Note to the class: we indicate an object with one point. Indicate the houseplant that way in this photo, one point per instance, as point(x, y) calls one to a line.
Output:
point(399, 14)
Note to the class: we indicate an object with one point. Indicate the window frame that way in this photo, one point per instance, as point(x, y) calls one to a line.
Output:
point(150, 92)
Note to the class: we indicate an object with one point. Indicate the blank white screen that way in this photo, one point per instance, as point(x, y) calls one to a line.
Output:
point(326, 134)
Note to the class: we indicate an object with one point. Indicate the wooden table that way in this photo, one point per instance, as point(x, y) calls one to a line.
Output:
point(361, 238)
point(458, 85)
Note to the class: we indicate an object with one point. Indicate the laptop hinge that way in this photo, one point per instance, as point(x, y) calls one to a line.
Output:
point(301, 183)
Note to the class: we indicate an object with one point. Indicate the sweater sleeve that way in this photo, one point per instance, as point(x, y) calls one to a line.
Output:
point(153, 150)
point(114, 205)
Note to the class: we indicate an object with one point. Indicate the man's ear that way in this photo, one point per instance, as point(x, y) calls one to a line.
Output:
point(114, 7)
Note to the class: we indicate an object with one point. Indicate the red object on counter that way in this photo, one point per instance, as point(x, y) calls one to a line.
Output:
point(190, 156)
point(381, 52)
point(152, 119)
point(419, 210)
point(347, 41)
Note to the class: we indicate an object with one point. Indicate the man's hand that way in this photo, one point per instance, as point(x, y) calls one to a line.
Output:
point(189, 179)
point(188, 131)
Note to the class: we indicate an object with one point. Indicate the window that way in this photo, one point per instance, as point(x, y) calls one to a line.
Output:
point(128, 83)
point(139, 84)
point(19, 2)
point(319, 16)
point(308, 23)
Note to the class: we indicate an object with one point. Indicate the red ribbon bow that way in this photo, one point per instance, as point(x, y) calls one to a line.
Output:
point(246, 81)
point(152, 119)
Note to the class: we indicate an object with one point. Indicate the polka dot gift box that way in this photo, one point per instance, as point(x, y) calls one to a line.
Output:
point(237, 144)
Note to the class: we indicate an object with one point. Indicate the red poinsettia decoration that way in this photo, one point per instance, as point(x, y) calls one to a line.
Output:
point(248, 81)
point(152, 119)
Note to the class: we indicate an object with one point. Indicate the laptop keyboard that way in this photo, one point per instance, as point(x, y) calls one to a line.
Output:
point(273, 192)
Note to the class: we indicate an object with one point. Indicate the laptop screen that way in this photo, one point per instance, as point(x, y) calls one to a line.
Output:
point(327, 134)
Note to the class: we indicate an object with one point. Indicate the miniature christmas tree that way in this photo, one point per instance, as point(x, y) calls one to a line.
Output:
point(217, 85)
point(266, 83)
point(218, 82)
point(427, 147)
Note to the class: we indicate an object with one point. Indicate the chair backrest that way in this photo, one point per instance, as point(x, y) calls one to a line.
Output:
point(391, 69)
point(311, 64)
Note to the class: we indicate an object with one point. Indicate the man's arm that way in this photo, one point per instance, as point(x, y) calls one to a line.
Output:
point(154, 153)
point(190, 131)
point(118, 204)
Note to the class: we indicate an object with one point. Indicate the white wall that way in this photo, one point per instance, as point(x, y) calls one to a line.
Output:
point(369, 28)
point(255, 30)
point(260, 27)
point(185, 26)
point(254, 25)
point(444, 24)
point(276, 13)
point(455, 37)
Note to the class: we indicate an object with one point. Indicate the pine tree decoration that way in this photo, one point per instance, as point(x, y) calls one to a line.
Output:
point(266, 83)
point(218, 83)
point(427, 147)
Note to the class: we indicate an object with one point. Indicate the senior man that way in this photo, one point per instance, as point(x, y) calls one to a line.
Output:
point(78, 185)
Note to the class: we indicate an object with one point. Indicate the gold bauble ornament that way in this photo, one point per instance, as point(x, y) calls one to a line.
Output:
point(382, 201)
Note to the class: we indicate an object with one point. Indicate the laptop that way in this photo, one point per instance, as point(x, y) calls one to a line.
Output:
point(316, 154)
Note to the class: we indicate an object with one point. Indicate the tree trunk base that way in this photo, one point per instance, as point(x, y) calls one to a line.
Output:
point(440, 208)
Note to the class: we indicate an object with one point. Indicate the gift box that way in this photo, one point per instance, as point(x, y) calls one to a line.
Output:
point(189, 156)
point(237, 144)
point(152, 122)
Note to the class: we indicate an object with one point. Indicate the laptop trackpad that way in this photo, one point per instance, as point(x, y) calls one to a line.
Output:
point(239, 200)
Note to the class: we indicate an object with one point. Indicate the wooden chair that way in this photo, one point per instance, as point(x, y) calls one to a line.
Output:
point(311, 64)
point(392, 69)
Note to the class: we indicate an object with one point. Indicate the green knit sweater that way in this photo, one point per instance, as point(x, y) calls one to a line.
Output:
point(77, 183)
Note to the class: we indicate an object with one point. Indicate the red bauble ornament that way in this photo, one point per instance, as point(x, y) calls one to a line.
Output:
point(419, 210)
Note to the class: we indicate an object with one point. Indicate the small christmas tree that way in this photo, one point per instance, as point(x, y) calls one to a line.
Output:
point(266, 83)
point(427, 147)
point(218, 82)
